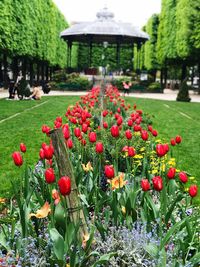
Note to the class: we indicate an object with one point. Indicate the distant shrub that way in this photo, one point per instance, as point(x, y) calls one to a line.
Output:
point(154, 87)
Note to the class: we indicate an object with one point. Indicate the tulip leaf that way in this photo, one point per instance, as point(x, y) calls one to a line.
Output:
point(170, 233)
point(58, 243)
point(152, 249)
point(171, 208)
point(84, 200)
point(104, 259)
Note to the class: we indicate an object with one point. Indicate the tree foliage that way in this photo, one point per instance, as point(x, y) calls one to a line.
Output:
point(31, 29)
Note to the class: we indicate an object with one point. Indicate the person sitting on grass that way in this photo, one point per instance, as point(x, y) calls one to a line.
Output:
point(36, 94)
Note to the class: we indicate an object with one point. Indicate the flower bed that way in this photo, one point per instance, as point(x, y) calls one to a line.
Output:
point(117, 198)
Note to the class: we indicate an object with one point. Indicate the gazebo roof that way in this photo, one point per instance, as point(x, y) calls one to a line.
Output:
point(104, 28)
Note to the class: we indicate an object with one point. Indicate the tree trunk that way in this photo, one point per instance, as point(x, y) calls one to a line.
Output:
point(5, 71)
point(42, 71)
point(47, 72)
point(24, 65)
point(31, 73)
point(192, 76)
point(38, 71)
point(65, 169)
point(15, 68)
point(161, 79)
point(199, 78)
point(165, 77)
point(184, 72)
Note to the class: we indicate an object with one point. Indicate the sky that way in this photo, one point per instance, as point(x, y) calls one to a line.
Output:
point(136, 12)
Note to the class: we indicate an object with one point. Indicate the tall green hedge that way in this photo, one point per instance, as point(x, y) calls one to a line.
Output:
point(31, 29)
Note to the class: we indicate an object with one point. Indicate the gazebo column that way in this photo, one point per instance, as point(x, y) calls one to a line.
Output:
point(132, 56)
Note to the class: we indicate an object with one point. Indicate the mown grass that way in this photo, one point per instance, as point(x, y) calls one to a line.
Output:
point(26, 127)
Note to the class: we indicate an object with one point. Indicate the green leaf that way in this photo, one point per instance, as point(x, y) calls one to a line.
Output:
point(58, 243)
point(151, 205)
point(152, 249)
point(194, 260)
point(170, 233)
point(84, 200)
point(104, 259)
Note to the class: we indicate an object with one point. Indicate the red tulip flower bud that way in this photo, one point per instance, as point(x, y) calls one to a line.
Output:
point(23, 147)
point(173, 142)
point(105, 113)
point(114, 131)
point(64, 184)
point(178, 139)
point(66, 131)
point(145, 184)
point(83, 142)
point(99, 147)
point(183, 177)
point(154, 133)
point(128, 134)
point(171, 173)
point(144, 135)
point(17, 158)
point(137, 128)
point(157, 183)
point(69, 143)
point(193, 190)
point(45, 129)
point(118, 110)
point(131, 151)
point(92, 137)
point(49, 176)
point(105, 125)
point(77, 132)
point(109, 171)
point(150, 128)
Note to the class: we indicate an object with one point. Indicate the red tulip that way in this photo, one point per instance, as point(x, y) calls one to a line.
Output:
point(130, 122)
point(66, 131)
point(77, 132)
point(105, 113)
point(41, 154)
point(92, 137)
point(105, 125)
point(178, 139)
point(114, 131)
point(64, 184)
point(150, 128)
point(23, 147)
point(161, 149)
point(144, 135)
point(131, 151)
point(119, 121)
point(49, 176)
point(173, 142)
point(48, 151)
point(118, 110)
point(157, 183)
point(193, 190)
point(84, 127)
point(69, 143)
point(99, 147)
point(171, 173)
point(45, 129)
point(128, 134)
point(145, 184)
point(137, 128)
point(109, 171)
point(83, 142)
point(183, 177)
point(154, 133)
point(17, 157)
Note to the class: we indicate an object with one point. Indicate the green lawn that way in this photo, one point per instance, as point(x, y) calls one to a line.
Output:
point(26, 127)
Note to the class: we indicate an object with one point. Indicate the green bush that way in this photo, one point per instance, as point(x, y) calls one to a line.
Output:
point(154, 87)
point(72, 81)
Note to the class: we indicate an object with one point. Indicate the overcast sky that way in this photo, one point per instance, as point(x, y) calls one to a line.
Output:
point(136, 12)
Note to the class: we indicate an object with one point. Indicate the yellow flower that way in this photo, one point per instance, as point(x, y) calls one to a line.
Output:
point(142, 149)
point(118, 182)
point(158, 141)
point(136, 134)
point(2, 200)
point(192, 178)
point(123, 210)
point(88, 167)
point(163, 167)
point(67, 265)
point(43, 212)
point(138, 156)
point(154, 171)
